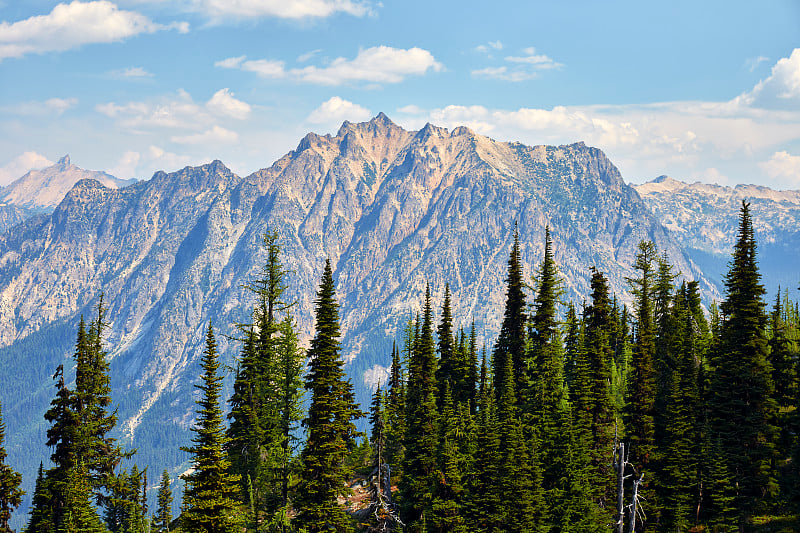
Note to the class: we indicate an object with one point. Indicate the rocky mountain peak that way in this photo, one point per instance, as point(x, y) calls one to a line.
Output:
point(64, 162)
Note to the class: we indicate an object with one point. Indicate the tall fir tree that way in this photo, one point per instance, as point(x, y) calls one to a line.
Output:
point(163, 516)
point(512, 339)
point(329, 423)
point(395, 414)
point(446, 371)
point(41, 515)
point(10, 480)
point(594, 407)
point(741, 385)
point(419, 467)
point(211, 495)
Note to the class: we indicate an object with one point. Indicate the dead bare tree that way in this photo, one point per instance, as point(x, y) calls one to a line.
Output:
point(621, 465)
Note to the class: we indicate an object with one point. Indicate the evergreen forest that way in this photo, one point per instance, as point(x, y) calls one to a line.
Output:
point(587, 416)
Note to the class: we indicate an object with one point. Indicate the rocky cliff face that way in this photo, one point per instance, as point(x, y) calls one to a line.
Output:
point(394, 210)
point(704, 219)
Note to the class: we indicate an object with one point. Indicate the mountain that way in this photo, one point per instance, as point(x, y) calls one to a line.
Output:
point(42, 190)
point(704, 219)
point(394, 210)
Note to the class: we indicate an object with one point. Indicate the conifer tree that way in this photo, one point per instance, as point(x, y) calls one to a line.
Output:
point(446, 513)
point(572, 345)
point(376, 419)
point(419, 468)
point(679, 473)
point(211, 492)
point(485, 512)
point(10, 480)
point(395, 415)
point(329, 423)
point(79, 515)
point(595, 415)
point(640, 415)
point(41, 513)
point(163, 515)
point(741, 385)
point(446, 370)
point(512, 338)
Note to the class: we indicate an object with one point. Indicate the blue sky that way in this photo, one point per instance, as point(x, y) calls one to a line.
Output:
point(706, 91)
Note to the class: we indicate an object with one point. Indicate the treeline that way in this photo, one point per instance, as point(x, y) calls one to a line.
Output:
point(589, 418)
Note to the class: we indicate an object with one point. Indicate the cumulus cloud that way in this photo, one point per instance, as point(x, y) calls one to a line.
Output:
point(780, 90)
point(178, 111)
point(20, 165)
point(338, 110)
point(72, 25)
point(783, 166)
point(379, 64)
point(223, 103)
point(287, 9)
point(216, 134)
point(126, 166)
point(519, 67)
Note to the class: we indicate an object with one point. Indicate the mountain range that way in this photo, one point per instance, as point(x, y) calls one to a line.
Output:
point(393, 210)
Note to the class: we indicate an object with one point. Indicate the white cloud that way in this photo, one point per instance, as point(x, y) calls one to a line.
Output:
point(521, 67)
point(49, 107)
point(308, 55)
point(338, 110)
point(126, 166)
point(166, 160)
point(178, 111)
point(538, 61)
point(131, 73)
point(491, 45)
point(223, 103)
point(379, 64)
point(20, 165)
point(288, 9)
point(782, 165)
point(754, 62)
point(780, 90)
point(216, 134)
point(72, 25)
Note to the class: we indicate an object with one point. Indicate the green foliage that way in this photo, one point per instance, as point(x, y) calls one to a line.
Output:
point(512, 339)
point(163, 515)
point(330, 430)
point(419, 467)
point(211, 491)
point(10, 480)
point(741, 386)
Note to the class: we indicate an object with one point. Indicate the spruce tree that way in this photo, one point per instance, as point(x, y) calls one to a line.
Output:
point(79, 515)
point(10, 480)
point(512, 339)
point(211, 492)
point(446, 508)
point(329, 423)
point(419, 467)
point(741, 386)
point(395, 415)
point(41, 512)
point(163, 515)
point(446, 371)
point(594, 404)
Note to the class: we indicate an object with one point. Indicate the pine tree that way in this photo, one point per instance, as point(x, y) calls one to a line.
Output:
point(211, 490)
point(446, 514)
point(79, 516)
point(395, 415)
point(41, 513)
point(419, 467)
point(330, 430)
point(10, 480)
point(679, 470)
point(595, 415)
point(163, 515)
point(377, 415)
point(741, 386)
point(512, 339)
point(446, 377)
